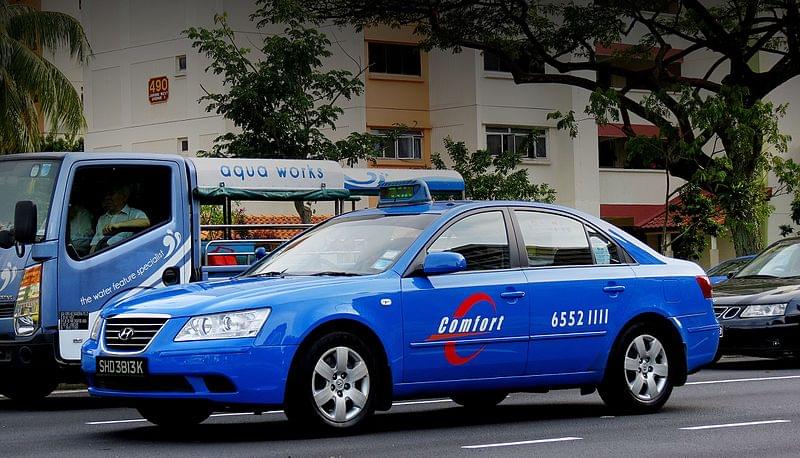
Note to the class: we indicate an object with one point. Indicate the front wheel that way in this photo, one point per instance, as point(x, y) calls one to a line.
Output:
point(638, 377)
point(28, 389)
point(174, 415)
point(333, 384)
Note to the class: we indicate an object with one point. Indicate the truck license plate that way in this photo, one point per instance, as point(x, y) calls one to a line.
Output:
point(128, 367)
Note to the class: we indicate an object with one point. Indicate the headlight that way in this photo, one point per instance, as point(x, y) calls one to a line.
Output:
point(231, 325)
point(98, 324)
point(756, 311)
point(28, 307)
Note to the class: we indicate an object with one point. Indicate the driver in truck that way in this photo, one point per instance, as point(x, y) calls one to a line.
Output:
point(119, 221)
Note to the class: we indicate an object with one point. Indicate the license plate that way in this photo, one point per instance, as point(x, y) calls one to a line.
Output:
point(125, 367)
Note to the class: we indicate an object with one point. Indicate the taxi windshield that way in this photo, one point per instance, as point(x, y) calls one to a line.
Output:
point(32, 180)
point(359, 245)
point(778, 261)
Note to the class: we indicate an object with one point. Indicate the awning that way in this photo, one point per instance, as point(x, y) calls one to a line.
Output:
point(615, 130)
point(209, 195)
point(630, 215)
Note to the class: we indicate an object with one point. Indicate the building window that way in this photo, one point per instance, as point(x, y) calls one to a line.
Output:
point(183, 145)
point(399, 145)
point(493, 63)
point(639, 80)
point(528, 142)
point(394, 59)
point(613, 154)
point(180, 65)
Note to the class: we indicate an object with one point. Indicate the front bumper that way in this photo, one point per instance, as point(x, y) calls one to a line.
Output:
point(767, 337)
point(36, 353)
point(231, 373)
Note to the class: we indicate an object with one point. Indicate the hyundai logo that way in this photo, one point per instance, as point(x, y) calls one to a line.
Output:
point(126, 334)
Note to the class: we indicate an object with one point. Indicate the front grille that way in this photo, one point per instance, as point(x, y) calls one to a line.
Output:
point(7, 310)
point(131, 334)
point(718, 311)
point(150, 384)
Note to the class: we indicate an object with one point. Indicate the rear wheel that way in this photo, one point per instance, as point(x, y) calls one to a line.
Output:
point(333, 384)
point(638, 377)
point(479, 401)
point(174, 415)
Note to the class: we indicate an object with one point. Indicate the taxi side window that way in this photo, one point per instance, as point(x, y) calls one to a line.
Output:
point(604, 250)
point(482, 239)
point(553, 240)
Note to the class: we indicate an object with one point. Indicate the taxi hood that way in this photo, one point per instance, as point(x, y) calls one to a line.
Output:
point(225, 296)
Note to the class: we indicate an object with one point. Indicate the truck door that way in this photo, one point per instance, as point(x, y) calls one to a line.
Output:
point(124, 231)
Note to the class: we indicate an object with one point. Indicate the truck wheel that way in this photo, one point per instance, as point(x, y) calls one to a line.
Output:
point(333, 384)
point(174, 415)
point(28, 389)
point(479, 401)
point(638, 378)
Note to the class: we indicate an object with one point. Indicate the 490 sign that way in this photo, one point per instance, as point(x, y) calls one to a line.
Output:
point(158, 89)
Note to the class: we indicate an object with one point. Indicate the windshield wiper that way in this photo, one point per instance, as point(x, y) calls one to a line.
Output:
point(757, 276)
point(334, 274)
point(280, 274)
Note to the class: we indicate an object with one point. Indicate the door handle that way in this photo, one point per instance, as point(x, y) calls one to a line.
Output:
point(615, 289)
point(512, 294)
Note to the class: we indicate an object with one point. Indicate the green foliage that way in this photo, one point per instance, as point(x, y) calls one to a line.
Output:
point(284, 101)
point(786, 230)
point(718, 133)
point(30, 85)
point(61, 143)
point(697, 217)
point(488, 177)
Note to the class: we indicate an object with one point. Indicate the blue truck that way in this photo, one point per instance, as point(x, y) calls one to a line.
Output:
point(79, 230)
point(467, 299)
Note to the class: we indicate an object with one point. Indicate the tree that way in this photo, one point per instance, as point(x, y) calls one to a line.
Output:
point(724, 105)
point(58, 143)
point(488, 177)
point(283, 101)
point(31, 86)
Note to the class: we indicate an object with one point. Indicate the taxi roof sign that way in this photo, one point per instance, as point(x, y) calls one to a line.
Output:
point(407, 192)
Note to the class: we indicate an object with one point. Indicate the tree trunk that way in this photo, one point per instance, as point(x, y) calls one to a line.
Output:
point(304, 211)
point(746, 237)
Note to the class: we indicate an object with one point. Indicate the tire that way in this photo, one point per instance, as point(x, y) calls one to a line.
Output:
point(479, 401)
point(174, 415)
point(29, 389)
point(638, 377)
point(319, 397)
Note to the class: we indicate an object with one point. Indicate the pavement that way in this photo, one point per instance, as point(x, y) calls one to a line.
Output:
point(741, 406)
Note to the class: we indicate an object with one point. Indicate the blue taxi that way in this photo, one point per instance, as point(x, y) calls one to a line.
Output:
point(470, 300)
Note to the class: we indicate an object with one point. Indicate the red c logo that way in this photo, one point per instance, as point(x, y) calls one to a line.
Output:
point(450, 352)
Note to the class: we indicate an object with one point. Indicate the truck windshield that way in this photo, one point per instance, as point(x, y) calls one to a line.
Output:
point(32, 180)
point(360, 245)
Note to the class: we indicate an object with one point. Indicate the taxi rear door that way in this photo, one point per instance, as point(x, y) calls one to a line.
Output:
point(579, 286)
point(471, 324)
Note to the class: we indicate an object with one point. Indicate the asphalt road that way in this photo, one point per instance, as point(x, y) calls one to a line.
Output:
point(744, 407)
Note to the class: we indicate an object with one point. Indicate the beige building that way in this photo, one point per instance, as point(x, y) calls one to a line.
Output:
point(466, 96)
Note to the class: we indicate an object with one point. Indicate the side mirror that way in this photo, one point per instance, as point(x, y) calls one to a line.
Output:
point(445, 262)
point(25, 222)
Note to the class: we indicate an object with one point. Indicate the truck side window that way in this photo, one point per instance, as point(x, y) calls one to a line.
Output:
point(109, 205)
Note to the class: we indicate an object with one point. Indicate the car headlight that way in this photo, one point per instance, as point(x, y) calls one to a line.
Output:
point(231, 325)
point(28, 307)
point(98, 324)
point(757, 311)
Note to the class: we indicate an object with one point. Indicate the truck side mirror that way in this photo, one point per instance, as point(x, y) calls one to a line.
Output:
point(444, 262)
point(6, 240)
point(25, 222)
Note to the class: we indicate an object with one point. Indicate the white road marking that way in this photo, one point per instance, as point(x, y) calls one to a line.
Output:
point(510, 444)
point(735, 425)
point(739, 380)
point(427, 401)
